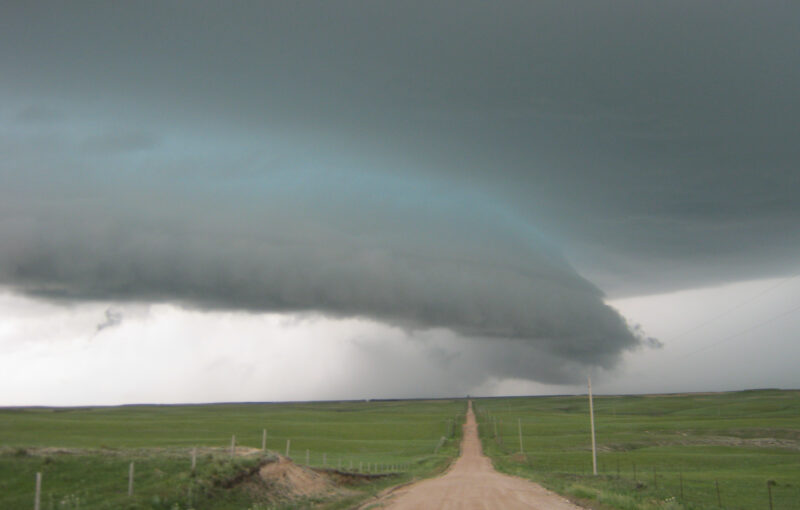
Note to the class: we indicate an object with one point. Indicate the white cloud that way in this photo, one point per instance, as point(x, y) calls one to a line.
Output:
point(162, 353)
point(715, 338)
point(51, 353)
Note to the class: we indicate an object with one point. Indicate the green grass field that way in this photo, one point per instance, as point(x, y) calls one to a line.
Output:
point(84, 453)
point(650, 449)
point(737, 441)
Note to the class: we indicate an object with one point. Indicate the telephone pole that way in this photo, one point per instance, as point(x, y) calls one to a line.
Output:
point(591, 420)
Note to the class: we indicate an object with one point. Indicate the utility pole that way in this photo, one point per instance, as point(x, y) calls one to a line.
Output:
point(591, 420)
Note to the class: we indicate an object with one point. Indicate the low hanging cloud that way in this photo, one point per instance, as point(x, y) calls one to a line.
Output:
point(404, 252)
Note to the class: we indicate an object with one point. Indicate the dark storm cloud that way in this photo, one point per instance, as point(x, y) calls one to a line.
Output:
point(38, 114)
point(431, 164)
point(120, 141)
point(403, 251)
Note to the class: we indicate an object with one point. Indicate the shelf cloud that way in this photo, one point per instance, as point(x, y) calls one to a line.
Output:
point(393, 250)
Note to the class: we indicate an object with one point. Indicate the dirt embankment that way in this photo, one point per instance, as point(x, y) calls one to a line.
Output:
point(295, 480)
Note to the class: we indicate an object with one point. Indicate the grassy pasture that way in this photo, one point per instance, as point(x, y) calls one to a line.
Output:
point(738, 441)
point(84, 453)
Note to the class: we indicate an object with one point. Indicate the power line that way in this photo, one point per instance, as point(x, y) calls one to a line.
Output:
point(666, 363)
point(740, 333)
point(735, 307)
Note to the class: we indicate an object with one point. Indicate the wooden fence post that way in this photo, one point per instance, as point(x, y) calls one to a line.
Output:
point(194, 458)
point(233, 445)
point(264, 440)
point(37, 498)
point(308, 457)
point(770, 483)
point(130, 480)
point(288, 442)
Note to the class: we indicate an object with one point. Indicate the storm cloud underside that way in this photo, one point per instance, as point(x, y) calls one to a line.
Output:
point(436, 165)
point(388, 250)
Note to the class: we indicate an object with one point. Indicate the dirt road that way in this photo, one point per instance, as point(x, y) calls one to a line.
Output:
point(472, 483)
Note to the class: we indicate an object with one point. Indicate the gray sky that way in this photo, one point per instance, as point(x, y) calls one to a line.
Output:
point(456, 196)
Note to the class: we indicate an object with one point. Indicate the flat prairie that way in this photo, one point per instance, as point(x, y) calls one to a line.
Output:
point(85, 453)
point(693, 451)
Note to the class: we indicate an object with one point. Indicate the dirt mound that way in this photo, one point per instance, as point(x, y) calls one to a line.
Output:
point(244, 451)
point(296, 480)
